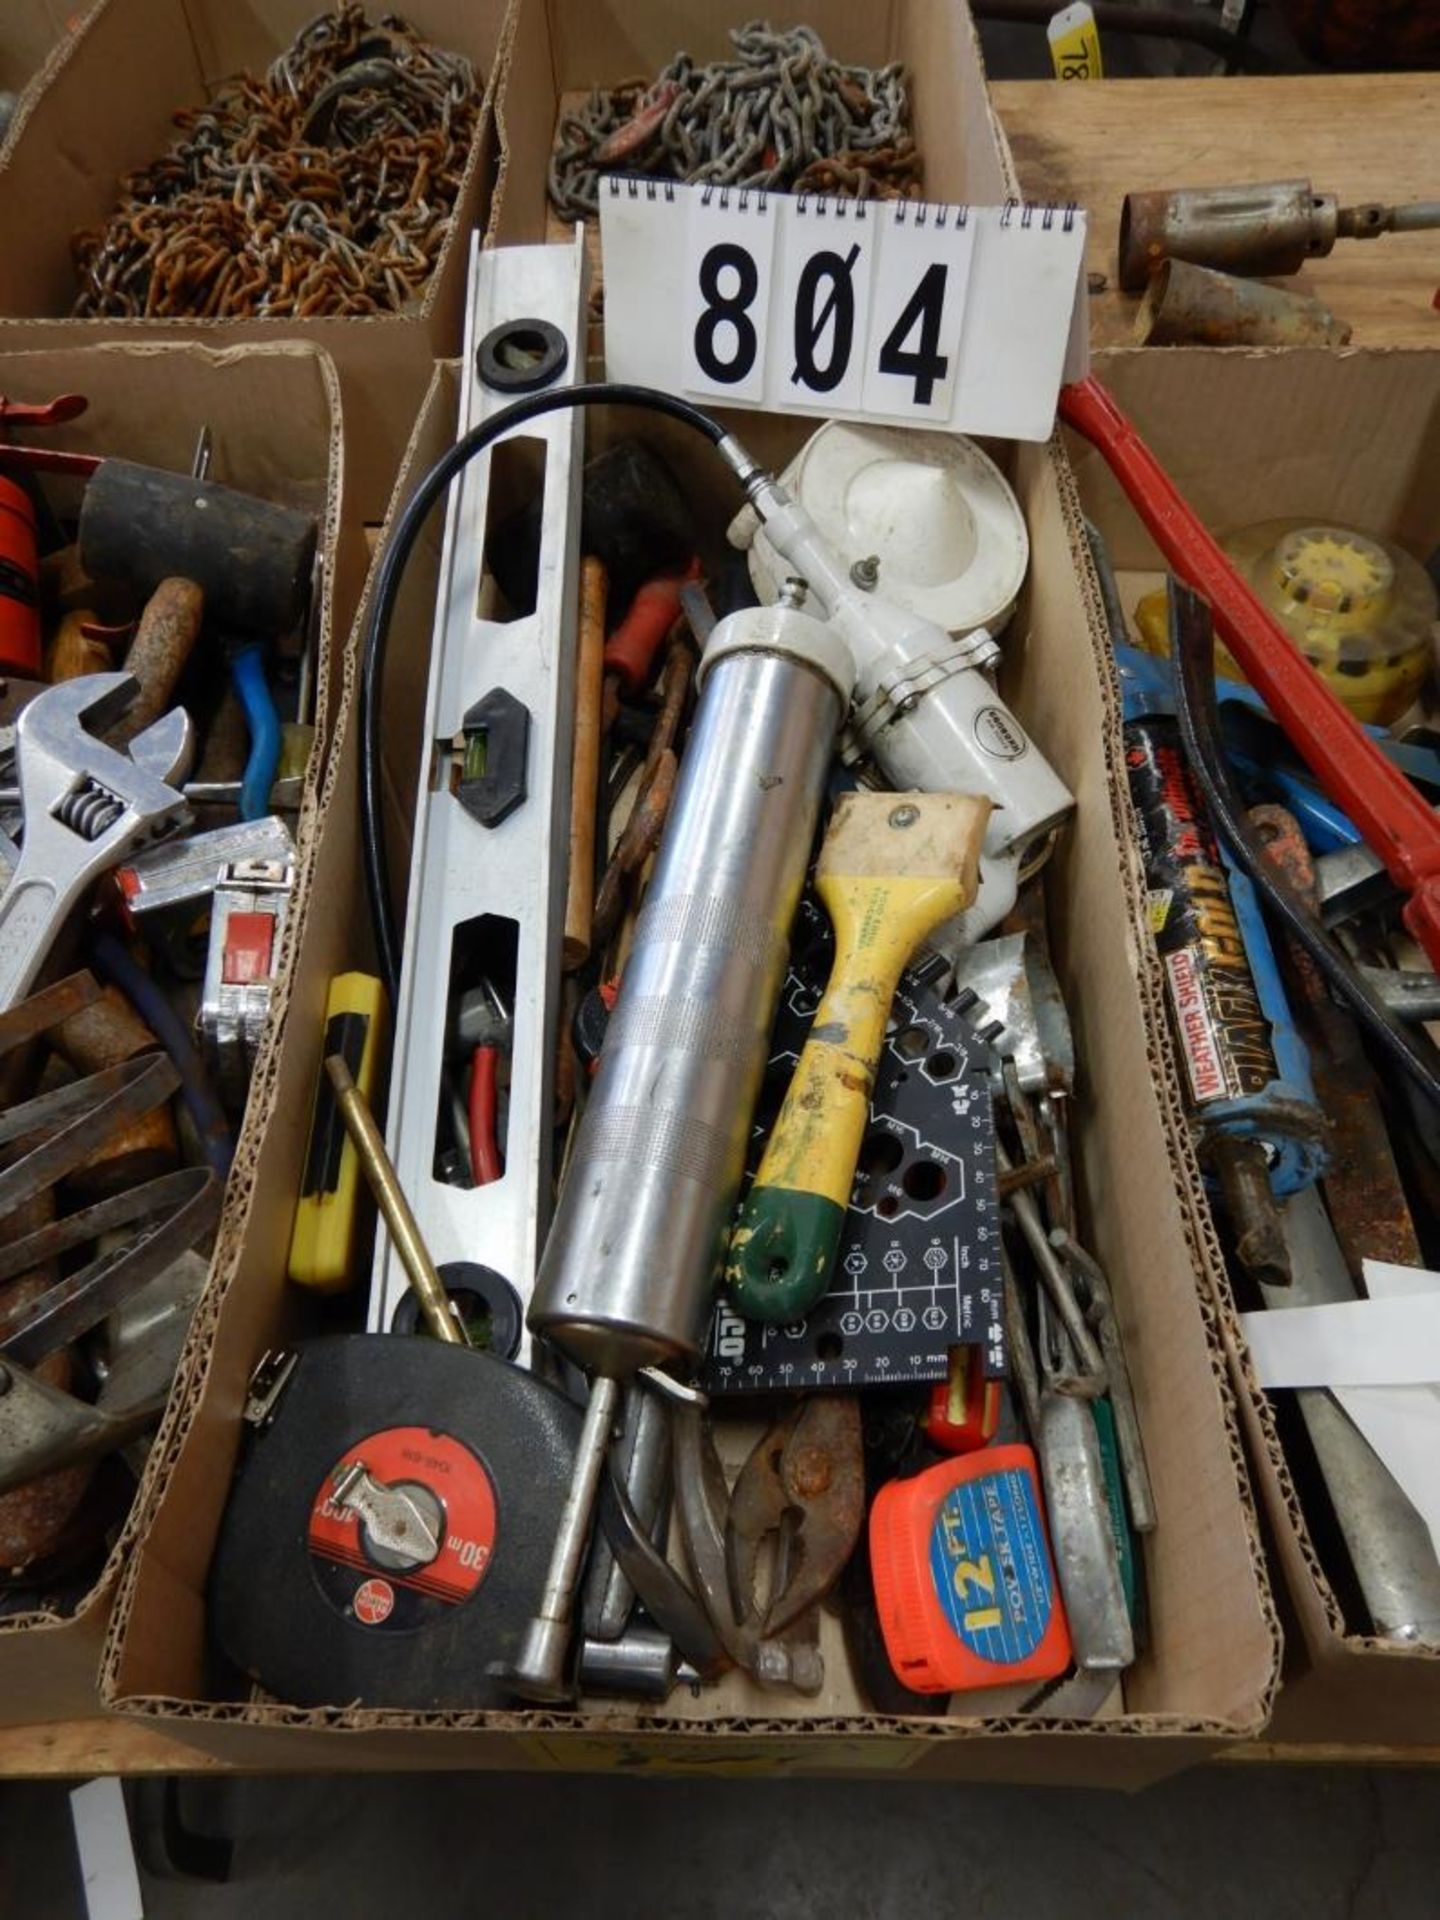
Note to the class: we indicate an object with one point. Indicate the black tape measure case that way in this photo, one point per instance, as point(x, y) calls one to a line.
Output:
point(389, 1530)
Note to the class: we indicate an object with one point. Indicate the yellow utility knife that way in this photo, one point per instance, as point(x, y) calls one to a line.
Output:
point(322, 1241)
point(893, 867)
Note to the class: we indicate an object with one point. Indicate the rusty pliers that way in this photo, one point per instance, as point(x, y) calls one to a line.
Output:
point(803, 1483)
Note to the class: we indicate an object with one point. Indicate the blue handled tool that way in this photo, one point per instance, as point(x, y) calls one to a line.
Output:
point(247, 672)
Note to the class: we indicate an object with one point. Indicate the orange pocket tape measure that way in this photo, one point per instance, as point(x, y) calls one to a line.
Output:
point(965, 1586)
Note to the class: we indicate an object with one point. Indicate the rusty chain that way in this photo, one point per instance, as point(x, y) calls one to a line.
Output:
point(781, 114)
point(328, 187)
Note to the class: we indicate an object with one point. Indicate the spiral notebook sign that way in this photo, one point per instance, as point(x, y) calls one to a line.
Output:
point(961, 318)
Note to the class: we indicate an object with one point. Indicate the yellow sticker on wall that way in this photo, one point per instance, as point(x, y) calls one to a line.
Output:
point(1075, 44)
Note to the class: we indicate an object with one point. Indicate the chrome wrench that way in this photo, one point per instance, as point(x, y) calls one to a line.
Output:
point(86, 805)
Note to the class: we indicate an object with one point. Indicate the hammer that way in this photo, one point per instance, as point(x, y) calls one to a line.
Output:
point(191, 544)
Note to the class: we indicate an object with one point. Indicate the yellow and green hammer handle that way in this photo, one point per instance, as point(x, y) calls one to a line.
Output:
point(783, 1246)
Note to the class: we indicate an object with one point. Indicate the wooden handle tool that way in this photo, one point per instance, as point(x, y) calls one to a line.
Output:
point(585, 779)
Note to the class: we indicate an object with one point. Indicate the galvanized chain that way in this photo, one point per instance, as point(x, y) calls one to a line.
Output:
point(782, 114)
point(328, 187)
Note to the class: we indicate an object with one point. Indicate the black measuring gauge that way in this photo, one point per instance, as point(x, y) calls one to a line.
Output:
point(389, 1529)
point(917, 1269)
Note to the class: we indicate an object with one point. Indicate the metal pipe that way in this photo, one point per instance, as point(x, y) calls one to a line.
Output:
point(1365, 222)
point(539, 1670)
point(1258, 228)
point(390, 1198)
point(1186, 305)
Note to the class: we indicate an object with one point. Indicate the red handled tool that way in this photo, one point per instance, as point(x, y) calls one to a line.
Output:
point(630, 651)
point(483, 1033)
point(964, 1410)
point(1392, 816)
point(20, 648)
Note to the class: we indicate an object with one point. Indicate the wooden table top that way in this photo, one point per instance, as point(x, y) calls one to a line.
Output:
point(1361, 136)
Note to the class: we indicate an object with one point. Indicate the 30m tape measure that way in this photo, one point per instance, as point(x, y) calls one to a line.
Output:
point(388, 1533)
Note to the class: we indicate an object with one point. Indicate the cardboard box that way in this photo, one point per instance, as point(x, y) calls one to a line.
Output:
point(1248, 436)
point(1209, 1674)
point(145, 402)
point(105, 108)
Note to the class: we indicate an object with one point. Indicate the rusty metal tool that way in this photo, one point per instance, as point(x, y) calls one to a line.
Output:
point(1363, 1191)
point(175, 1211)
point(86, 805)
point(165, 636)
point(1186, 305)
point(60, 1130)
point(1269, 227)
point(1389, 812)
point(41, 1011)
point(805, 1480)
point(43, 1428)
point(787, 1658)
point(100, 1036)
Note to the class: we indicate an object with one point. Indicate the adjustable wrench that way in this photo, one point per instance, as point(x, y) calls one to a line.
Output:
point(86, 805)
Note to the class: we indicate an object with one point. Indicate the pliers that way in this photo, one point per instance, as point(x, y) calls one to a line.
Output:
point(804, 1483)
